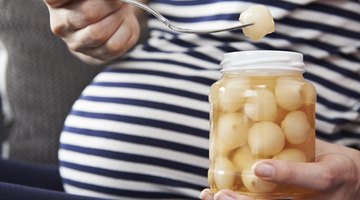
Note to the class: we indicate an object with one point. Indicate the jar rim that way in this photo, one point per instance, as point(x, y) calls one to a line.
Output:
point(262, 59)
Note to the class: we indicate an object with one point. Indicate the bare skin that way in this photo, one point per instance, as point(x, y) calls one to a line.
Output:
point(95, 31)
point(335, 175)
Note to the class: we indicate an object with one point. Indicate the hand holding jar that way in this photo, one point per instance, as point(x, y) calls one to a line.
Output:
point(334, 175)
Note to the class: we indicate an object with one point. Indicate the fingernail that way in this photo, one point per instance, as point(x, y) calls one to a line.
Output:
point(229, 195)
point(264, 170)
point(206, 195)
point(223, 196)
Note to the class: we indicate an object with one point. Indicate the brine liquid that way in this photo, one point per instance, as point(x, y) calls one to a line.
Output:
point(259, 117)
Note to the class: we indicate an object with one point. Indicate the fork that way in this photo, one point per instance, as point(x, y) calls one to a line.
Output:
point(181, 29)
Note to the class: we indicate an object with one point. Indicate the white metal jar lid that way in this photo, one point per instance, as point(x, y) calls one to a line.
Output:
point(262, 59)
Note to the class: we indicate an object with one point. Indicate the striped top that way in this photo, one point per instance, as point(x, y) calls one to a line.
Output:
point(140, 129)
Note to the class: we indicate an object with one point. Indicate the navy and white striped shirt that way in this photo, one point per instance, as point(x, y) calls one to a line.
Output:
point(140, 130)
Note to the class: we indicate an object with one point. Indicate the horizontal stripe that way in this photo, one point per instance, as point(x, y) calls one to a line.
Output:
point(350, 57)
point(321, 27)
point(127, 193)
point(120, 140)
point(337, 136)
point(141, 178)
point(167, 75)
point(336, 120)
point(330, 128)
point(150, 104)
point(136, 129)
point(162, 89)
point(349, 115)
point(178, 56)
point(143, 121)
point(129, 166)
point(188, 168)
point(165, 61)
point(349, 92)
point(333, 67)
point(193, 54)
point(335, 19)
point(314, 44)
point(153, 96)
point(91, 193)
point(337, 79)
point(336, 102)
point(153, 80)
point(98, 143)
point(349, 5)
point(335, 10)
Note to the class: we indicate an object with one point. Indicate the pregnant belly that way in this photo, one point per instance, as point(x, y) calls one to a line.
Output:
point(132, 134)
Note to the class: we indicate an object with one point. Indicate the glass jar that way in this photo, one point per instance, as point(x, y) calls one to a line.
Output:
point(261, 108)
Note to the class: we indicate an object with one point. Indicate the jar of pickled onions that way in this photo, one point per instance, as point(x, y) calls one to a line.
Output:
point(261, 108)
